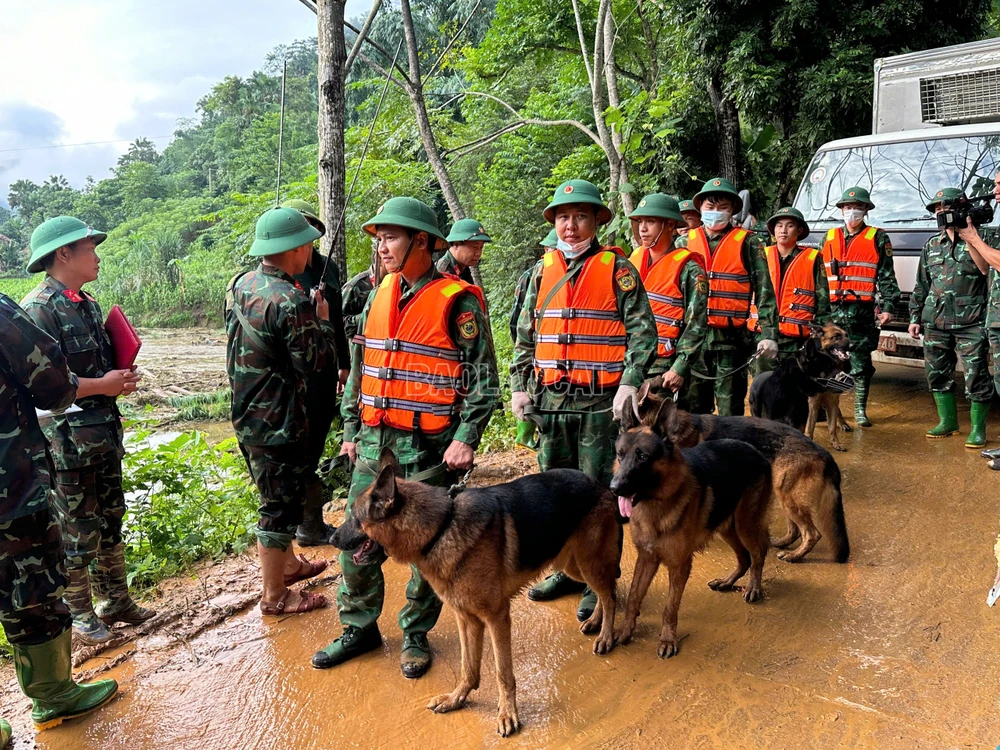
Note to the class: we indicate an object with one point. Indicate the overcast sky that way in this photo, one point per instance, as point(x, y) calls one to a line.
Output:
point(79, 71)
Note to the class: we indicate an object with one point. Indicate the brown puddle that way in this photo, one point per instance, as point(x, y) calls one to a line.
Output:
point(895, 649)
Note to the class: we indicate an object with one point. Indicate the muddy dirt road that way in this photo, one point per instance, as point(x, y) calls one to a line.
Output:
point(896, 649)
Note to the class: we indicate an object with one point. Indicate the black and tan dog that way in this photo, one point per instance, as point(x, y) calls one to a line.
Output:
point(677, 501)
point(793, 392)
point(481, 548)
point(805, 476)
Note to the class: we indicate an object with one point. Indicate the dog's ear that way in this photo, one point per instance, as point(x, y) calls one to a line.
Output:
point(648, 403)
point(643, 394)
point(664, 421)
point(388, 459)
point(382, 501)
point(629, 420)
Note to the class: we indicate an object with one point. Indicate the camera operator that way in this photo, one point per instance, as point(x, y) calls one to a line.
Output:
point(949, 303)
point(983, 243)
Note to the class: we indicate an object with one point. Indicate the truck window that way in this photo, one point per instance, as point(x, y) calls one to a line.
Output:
point(902, 177)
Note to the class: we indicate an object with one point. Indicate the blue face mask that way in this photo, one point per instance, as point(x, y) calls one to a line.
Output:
point(716, 219)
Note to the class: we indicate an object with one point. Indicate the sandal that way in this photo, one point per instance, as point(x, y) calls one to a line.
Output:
point(307, 569)
point(307, 603)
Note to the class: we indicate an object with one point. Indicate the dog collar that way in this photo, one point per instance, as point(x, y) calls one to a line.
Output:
point(445, 523)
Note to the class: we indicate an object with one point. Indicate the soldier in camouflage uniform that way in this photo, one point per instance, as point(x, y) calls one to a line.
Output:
point(314, 530)
point(527, 431)
point(278, 350)
point(33, 374)
point(680, 335)
point(984, 246)
point(729, 345)
point(576, 394)
point(433, 440)
point(86, 445)
point(466, 239)
point(853, 312)
point(691, 216)
point(355, 295)
point(949, 303)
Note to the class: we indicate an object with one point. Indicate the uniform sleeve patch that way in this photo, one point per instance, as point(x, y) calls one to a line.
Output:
point(702, 284)
point(625, 279)
point(467, 327)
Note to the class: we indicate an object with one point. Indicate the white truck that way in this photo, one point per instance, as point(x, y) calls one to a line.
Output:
point(935, 123)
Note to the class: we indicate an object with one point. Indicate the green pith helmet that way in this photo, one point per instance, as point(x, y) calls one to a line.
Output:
point(551, 239)
point(306, 210)
point(55, 233)
point(789, 213)
point(658, 206)
point(408, 213)
point(856, 194)
point(577, 191)
point(945, 195)
point(467, 230)
point(280, 230)
point(688, 206)
point(718, 186)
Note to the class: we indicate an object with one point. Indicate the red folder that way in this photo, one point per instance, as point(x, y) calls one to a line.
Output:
point(125, 343)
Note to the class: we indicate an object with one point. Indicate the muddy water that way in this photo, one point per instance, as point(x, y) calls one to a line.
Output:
point(895, 649)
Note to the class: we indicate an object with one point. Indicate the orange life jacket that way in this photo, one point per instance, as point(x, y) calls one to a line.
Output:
point(851, 271)
point(663, 287)
point(729, 288)
point(412, 371)
point(579, 336)
point(795, 293)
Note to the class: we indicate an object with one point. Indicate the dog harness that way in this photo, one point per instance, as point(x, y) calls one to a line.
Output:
point(579, 333)
point(663, 287)
point(851, 270)
point(796, 292)
point(412, 369)
point(728, 278)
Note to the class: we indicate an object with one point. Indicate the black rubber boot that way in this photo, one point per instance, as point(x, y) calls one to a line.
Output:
point(352, 642)
point(314, 531)
point(587, 605)
point(555, 586)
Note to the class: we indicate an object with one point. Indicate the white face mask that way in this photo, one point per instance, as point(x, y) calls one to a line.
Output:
point(573, 251)
point(853, 216)
point(716, 219)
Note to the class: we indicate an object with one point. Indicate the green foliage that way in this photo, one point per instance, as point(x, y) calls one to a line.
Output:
point(201, 407)
point(18, 288)
point(188, 500)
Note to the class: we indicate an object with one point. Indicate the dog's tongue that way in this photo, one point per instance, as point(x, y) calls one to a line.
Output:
point(625, 506)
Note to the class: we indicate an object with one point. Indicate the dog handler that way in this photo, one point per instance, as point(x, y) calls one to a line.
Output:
point(585, 340)
point(677, 286)
point(423, 382)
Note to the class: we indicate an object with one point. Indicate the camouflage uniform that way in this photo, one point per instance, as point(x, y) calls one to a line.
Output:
point(448, 264)
point(949, 302)
point(577, 429)
point(355, 297)
point(274, 372)
point(727, 349)
point(87, 449)
point(33, 373)
point(362, 588)
point(991, 236)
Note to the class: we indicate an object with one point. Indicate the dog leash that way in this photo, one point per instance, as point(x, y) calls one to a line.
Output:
point(426, 475)
point(703, 376)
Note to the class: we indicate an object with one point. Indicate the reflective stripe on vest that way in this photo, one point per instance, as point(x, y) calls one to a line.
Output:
point(795, 292)
point(851, 270)
point(412, 370)
point(662, 280)
point(729, 288)
point(580, 336)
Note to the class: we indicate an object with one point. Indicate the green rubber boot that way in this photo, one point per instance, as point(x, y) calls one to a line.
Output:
point(526, 436)
point(948, 416)
point(587, 605)
point(352, 642)
point(556, 585)
point(977, 434)
point(861, 402)
point(5, 734)
point(45, 674)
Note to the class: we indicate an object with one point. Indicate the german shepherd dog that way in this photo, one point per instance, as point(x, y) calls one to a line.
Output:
point(805, 477)
point(791, 393)
point(677, 501)
point(481, 548)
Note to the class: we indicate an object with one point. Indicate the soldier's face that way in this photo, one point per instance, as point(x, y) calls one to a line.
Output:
point(81, 260)
point(692, 219)
point(786, 231)
point(576, 222)
point(393, 244)
point(651, 229)
point(996, 188)
point(468, 253)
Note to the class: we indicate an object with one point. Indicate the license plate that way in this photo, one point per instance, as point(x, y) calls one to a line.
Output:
point(887, 343)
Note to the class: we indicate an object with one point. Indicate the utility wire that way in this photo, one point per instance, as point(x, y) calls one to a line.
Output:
point(90, 143)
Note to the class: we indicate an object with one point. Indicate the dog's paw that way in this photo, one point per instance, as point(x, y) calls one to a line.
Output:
point(624, 636)
point(846, 427)
point(720, 584)
point(788, 557)
point(590, 626)
point(507, 722)
point(839, 447)
point(604, 645)
point(442, 704)
point(667, 649)
point(753, 594)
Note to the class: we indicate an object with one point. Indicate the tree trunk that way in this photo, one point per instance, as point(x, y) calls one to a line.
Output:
point(611, 77)
point(331, 184)
point(730, 143)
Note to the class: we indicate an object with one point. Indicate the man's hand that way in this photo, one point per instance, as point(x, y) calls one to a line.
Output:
point(115, 383)
point(459, 455)
point(672, 381)
point(969, 234)
point(884, 318)
point(518, 401)
point(350, 450)
point(342, 376)
point(914, 330)
point(322, 306)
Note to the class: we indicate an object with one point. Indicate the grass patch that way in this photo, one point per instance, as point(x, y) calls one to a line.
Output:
point(201, 407)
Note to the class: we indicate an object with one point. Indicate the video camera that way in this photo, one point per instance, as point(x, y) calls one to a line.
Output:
point(957, 211)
